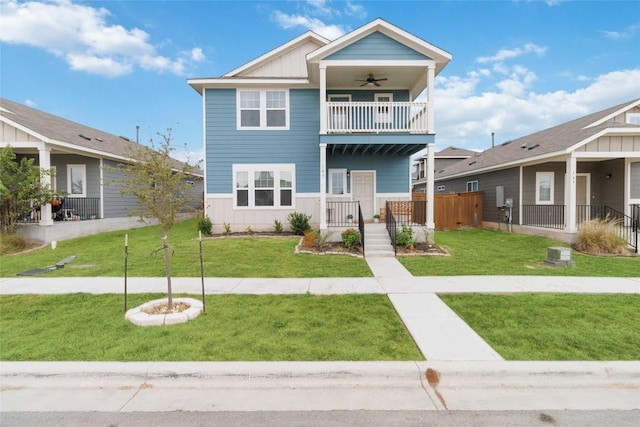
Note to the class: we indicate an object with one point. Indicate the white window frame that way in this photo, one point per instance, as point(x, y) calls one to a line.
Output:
point(469, 190)
point(545, 176)
point(343, 172)
point(83, 169)
point(277, 169)
point(633, 119)
point(263, 109)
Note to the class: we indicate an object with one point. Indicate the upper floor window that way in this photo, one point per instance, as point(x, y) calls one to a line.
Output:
point(633, 118)
point(263, 109)
point(77, 180)
point(472, 185)
point(544, 188)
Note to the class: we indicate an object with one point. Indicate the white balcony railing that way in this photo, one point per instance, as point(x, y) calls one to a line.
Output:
point(377, 117)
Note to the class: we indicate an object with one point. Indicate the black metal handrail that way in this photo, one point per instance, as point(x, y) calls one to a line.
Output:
point(361, 227)
point(544, 216)
point(342, 214)
point(390, 222)
point(79, 208)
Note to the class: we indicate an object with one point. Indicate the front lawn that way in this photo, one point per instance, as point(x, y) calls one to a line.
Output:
point(492, 252)
point(554, 327)
point(103, 255)
point(235, 328)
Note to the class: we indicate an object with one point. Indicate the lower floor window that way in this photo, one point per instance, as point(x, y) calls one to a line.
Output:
point(472, 185)
point(263, 185)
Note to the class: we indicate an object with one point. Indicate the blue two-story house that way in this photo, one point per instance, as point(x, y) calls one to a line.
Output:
point(318, 126)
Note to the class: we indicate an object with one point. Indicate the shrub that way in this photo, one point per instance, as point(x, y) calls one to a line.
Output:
point(204, 225)
point(321, 239)
point(299, 222)
point(600, 237)
point(12, 243)
point(405, 237)
point(350, 237)
point(277, 226)
point(249, 230)
point(309, 239)
point(227, 227)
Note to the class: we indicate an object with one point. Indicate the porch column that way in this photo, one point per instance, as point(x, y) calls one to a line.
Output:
point(44, 160)
point(430, 174)
point(323, 187)
point(570, 195)
point(323, 99)
point(431, 77)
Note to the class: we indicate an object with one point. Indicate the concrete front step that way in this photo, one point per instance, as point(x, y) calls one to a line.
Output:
point(377, 241)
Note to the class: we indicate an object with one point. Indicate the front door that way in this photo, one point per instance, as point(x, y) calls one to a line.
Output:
point(583, 210)
point(340, 116)
point(362, 189)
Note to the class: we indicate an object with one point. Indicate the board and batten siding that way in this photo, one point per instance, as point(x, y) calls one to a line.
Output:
point(377, 46)
point(226, 145)
point(487, 183)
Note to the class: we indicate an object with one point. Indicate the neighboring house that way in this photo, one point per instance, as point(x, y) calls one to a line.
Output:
point(317, 126)
point(78, 158)
point(442, 159)
point(600, 155)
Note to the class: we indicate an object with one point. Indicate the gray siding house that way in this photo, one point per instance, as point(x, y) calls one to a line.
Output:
point(79, 160)
point(559, 177)
point(442, 159)
point(317, 126)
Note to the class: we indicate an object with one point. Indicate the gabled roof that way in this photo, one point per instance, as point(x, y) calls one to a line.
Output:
point(65, 134)
point(454, 152)
point(440, 56)
point(548, 143)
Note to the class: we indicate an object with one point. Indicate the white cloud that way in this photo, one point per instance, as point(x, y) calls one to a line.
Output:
point(287, 22)
point(81, 35)
point(30, 103)
point(513, 53)
point(628, 33)
point(354, 9)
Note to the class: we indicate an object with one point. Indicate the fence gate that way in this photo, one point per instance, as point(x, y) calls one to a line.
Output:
point(458, 210)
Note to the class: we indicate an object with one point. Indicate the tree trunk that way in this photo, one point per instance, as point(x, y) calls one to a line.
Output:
point(167, 270)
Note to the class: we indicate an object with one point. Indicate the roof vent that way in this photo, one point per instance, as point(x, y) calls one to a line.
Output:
point(533, 146)
point(99, 139)
point(506, 143)
point(524, 145)
point(84, 137)
point(472, 163)
point(124, 137)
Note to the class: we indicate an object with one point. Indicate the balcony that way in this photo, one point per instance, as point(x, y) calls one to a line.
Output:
point(377, 117)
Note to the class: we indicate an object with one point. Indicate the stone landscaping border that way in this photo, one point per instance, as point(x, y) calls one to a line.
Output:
point(137, 316)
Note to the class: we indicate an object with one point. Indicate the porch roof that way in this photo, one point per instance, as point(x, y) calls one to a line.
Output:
point(378, 144)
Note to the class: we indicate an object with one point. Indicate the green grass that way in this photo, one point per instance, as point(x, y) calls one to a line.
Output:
point(235, 327)
point(492, 252)
point(554, 326)
point(103, 255)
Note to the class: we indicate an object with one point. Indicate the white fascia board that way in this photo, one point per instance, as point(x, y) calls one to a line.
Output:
point(376, 62)
point(606, 132)
point(607, 154)
point(615, 113)
point(277, 51)
point(230, 83)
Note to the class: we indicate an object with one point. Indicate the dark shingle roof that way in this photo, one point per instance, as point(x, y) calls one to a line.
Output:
point(557, 139)
point(58, 130)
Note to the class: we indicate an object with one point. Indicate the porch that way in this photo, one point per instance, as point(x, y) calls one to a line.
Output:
point(554, 217)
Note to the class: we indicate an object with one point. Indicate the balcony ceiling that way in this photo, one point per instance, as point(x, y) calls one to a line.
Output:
point(398, 77)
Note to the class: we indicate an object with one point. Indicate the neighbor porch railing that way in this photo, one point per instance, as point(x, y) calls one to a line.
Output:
point(69, 209)
point(544, 216)
point(338, 213)
point(376, 117)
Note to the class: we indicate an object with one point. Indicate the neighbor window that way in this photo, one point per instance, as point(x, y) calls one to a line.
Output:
point(633, 118)
point(77, 180)
point(263, 109)
point(263, 185)
point(544, 188)
point(338, 182)
point(472, 185)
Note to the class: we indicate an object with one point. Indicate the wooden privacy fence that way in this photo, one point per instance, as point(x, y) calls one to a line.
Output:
point(456, 210)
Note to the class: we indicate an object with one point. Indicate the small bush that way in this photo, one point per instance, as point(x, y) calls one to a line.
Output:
point(350, 237)
point(227, 228)
point(277, 226)
point(204, 225)
point(405, 237)
point(321, 239)
point(600, 237)
point(299, 222)
point(12, 243)
point(309, 239)
point(249, 230)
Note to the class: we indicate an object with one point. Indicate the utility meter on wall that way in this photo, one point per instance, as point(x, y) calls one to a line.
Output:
point(508, 203)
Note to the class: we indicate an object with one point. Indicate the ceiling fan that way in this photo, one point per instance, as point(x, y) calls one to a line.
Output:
point(371, 81)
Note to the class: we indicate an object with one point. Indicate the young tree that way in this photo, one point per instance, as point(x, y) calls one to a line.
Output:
point(161, 187)
point(21, 188)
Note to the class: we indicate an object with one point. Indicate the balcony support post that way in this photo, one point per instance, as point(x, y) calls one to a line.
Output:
point(431, 76)
point(323, 186)
point(430, 184)
point(323, 99)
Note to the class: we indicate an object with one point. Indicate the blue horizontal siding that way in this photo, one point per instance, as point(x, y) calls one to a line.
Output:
point(369, 95)
point(392, 172)
point(377, 46)
point(225, 145)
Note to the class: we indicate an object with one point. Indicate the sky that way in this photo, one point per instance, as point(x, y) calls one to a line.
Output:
point(518, 66)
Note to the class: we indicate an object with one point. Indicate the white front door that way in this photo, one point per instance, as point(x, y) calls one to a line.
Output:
point(340, 116)
point(362, 189)
point(383, 113)
point(583, 189)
